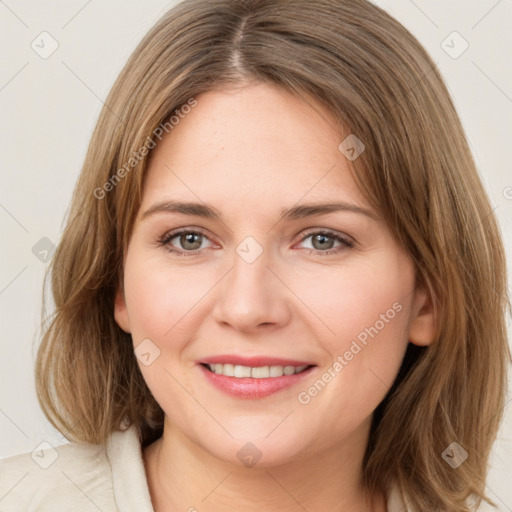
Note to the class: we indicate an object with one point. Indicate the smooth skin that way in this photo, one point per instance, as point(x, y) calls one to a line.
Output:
point(249, 153)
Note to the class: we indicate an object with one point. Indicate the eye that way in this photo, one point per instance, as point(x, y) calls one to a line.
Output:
point(189, 240)
point(323, 242)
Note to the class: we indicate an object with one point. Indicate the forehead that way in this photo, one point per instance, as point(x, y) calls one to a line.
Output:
point(256, 145)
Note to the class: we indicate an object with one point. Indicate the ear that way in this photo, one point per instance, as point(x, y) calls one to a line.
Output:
point(120, 311)
point(422, 328)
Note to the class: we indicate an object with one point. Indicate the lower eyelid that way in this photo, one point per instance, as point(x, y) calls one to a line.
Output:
point(166, 240)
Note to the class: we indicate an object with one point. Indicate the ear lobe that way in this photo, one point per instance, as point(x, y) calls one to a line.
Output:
point(120, 311)
point(422, 328)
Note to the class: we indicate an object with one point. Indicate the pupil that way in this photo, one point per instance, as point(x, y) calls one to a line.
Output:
point(320, 238)
point(189, 238)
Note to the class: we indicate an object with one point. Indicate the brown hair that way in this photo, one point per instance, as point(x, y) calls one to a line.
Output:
point(417, 170)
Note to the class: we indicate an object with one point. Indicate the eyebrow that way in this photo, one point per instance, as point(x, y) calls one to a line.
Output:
point(293, 213)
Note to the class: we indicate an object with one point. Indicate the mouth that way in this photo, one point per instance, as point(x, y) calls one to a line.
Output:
point(256, 378)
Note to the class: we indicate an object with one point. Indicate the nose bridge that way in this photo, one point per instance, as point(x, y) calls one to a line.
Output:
point(251, 294)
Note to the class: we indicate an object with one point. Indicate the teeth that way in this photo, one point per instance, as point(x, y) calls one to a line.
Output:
point(240, 371)
point(258, 372)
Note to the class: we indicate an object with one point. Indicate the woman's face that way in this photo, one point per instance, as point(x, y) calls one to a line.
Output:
point(264, 275)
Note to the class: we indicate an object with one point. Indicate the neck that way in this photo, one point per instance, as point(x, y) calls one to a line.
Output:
point(183, 476)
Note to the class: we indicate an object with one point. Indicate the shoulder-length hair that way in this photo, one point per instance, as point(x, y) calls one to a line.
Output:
point(377, 82)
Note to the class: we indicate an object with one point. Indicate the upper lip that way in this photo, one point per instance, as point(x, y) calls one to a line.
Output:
point(253, 361)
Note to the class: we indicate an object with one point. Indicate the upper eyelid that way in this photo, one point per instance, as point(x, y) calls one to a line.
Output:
point(327, 231)
point(179, 231)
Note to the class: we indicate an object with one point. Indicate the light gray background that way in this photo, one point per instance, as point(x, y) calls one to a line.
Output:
point(50, 106)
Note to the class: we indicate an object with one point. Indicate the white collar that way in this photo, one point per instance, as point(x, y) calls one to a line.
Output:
point(129, 480)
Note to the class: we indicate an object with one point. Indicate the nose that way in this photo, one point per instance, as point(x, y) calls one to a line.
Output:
point(252, 296)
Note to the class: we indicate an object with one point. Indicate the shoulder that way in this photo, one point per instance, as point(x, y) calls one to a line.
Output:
point(75, 476)
point(80, 477)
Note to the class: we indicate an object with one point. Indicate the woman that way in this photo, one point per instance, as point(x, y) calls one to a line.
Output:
point(281, 284)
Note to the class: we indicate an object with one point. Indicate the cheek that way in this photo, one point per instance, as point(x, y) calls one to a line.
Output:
point(160, 299)
point(364, 315)
point(362, 302)
point(161, 303)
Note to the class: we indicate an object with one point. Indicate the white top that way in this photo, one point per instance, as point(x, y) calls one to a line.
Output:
point(81, 477)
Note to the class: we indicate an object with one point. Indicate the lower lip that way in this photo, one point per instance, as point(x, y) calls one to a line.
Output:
point(250, 388)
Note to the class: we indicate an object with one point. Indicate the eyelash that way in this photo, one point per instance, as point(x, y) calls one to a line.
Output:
point(346, 244)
